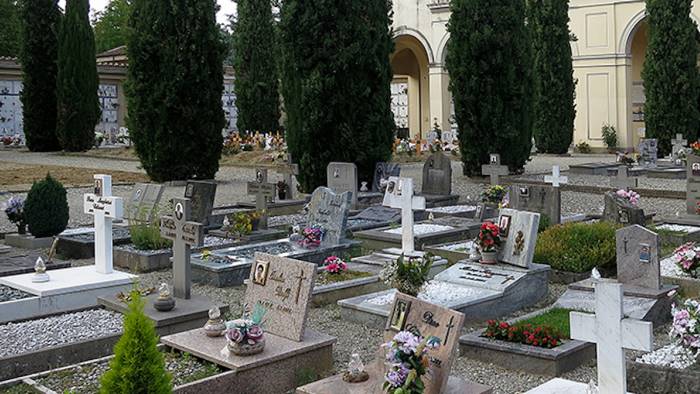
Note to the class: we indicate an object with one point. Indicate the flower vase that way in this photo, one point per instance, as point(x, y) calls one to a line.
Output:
point(489, 257)
point(282, 193)
point(246, 349)
point(22, 228)
point(255, 224)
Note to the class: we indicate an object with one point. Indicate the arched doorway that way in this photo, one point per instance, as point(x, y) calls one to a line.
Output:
point(637, 50)
point(410, 87)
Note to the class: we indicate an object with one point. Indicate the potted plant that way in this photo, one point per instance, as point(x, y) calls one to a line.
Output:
point(407, 275)
point(407, 355)
point(687, 258)
point(609, 137)
point(493, 195)
point(488, 241)
point(245, 336)
point(14, 209)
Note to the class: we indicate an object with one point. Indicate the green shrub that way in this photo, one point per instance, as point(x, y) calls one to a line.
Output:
point(577, 247)
point(145, 235)
point(545, 223)
point(583, 147)
point(46, 208)
point(137, 367)
point(609, 136)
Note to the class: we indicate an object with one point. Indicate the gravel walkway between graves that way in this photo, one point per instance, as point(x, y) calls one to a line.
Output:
point(10, 294)
point(23, 337)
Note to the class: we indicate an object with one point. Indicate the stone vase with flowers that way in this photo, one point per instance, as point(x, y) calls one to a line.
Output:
point(488, 242)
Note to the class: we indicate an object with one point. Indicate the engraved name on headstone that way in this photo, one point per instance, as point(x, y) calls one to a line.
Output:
point(105, 208)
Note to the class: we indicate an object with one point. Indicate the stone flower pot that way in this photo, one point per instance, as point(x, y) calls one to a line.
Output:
point(246, 349)
point(489, 258)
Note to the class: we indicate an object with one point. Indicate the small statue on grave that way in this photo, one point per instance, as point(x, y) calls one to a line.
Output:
point(165, 301)
point(215, 327)
point(474, 254)
point(40, 275)
point(363, 187)
point(356, 370)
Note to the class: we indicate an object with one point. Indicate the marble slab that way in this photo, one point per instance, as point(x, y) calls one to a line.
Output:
point(497, 278)
point(518, 236)
point(68, 280)
point(561, 386)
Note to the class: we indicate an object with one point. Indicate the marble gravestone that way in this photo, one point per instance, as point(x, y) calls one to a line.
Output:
point(437, 175)
point(638, 257)
point(545, 200)
point(518, 232)
point(400, 194)
point(263, 192)
point(284, 288)
point(184, 233)
point(693, 187)
point(201, 195)
point(648, 152)
point(143, 202)
point(105, 208)
point(382, 172)
point(342, 177)
point(620, 210)
point(329, 211)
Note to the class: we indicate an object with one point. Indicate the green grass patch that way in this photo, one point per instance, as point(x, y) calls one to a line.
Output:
point(325, 278)
point(557, 319)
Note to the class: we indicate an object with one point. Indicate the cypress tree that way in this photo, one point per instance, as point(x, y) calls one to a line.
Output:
point(10, 26)
point(336, 84)
point(39, 58)
point(77, 82)
point(553, 101)
point(670, 73)
point(257, 90)
point(489, 61)
point(174, 86)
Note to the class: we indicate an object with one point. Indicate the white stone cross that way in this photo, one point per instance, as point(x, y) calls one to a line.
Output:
point(679, 141)
point(612, 333)
point(623, 180)
point(183, 233)
point(105, 208)
point(494, 169)
point(400, 194)
point(555, 179)
point(263, 192)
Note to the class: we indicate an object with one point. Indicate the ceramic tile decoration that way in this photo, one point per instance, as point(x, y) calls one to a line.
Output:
point(330, 211)
point(284, 288)
point(201, 195)
point(437, 175)
point(263, 192)
point(638, 257)
point(105, 208)
point(184, 233)
point(342, 177)
point(518, 236)
point(494, 169)
point(400, 194)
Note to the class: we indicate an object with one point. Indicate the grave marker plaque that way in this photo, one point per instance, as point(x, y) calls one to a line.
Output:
point(545, 200)
point(201, 195)
point(494, 169)
point(638, 257)
point(184, 233)
point(342, 177)
point(518, 231)
point(105, 208)
point(329, 211)
point(263, 192)
point(437, 175)
point(283, 287)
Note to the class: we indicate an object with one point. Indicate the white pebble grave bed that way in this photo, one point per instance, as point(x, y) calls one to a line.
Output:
point(435, 292)
point(463, 246)
point(422, 229)
point(453, 209)
point(678, 228)
point(670, 356)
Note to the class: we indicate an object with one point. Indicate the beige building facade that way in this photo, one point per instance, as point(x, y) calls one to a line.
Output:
point(608, 57)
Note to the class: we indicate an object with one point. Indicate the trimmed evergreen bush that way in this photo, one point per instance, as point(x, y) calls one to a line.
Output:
point(46, 208)
point(174, 86)
point(257, 87)
point(489, 61)
point(670, 73)
point(39, 56)
point(138, 366)
point(77, 82)
point(336, 85)
point(577, 247)
point(553, 75)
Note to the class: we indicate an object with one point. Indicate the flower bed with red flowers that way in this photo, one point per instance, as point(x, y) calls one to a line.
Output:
point(541, 336)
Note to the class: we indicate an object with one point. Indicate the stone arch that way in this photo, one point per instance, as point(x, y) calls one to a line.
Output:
point(442, 48)
point(410, 64)
point(628, 34)
point(409, 31)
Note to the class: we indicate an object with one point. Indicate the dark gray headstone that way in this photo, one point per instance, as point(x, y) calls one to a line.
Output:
point(201, 195)
point(329, 211)
point(693, 185)
point(379, 213)
point(620, 210)
point(382, 171)
point(342, 177)
point(143, 201)
point(437, 175)
point(648, 152)
point(545, 200)
point(638, 257)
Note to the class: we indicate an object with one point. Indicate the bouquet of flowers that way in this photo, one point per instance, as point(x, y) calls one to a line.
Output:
point(685, 329)
point(687, 258)
point(695, 146)
point(493, 194)
point(334, 265)
point(488, 238)
point(407, 357)
point(14, 209)
point(407, 275)
point(627, 159)
point(311, 237)
point(238, 225)
point(541, 336)
point(245, 336)
point(630, 195)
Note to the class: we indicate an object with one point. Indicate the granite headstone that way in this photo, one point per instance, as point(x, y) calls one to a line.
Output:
point(329, 211)
point(648, 152)
point(143, 202)
point(437, 175)
point(545, 200)
point(620, 210)
point(342, 177)
point(201, 195)
point(518, 232)
point(638, 257)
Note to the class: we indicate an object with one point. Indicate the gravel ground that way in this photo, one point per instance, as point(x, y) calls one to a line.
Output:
point(18, 338)
point(10, 294)
point(606, 181)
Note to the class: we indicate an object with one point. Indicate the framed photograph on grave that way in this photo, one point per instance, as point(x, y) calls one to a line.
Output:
point(504, 226)
point(644, 253)
point(398, 315)
point(524, 191)
point(696, 169)
point(189, 192)
point(479, 211)
point(98, 187)
point(259, 176)
point(390, 187)
point(260, 276)
point(493, 159)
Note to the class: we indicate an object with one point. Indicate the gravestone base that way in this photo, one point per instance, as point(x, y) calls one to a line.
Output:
point(439, 200)
point(455, 229)
point(142, 260)
point(560, 386)
point(82, 245)
point(654, 379)
point(275, 370)
point(216, 219)
point(332, 292)
point(592, 168)
point(255, 236)
point(368, 199)
point(279, 207)
point(18, 261)
point(477, 300)
point(336, 385)
point(27, 241)
point(453, 252)
point(69, 289)
point(667, 173)
point(631, 171)
point(678, 237)
point(187, 314)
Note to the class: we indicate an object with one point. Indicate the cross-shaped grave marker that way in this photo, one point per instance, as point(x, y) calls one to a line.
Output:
point(494, 169)
point(400, 194)
point(612, 333)
point(677, 144)
point(262, 191)
point(555, 179)
point(183, 233)
point(105, 208)
point(289, 172)
point(623, 180)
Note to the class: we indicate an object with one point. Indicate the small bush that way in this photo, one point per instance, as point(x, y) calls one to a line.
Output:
point(137, 366)
point(583, 147)
point(577, 247)
point(145, 235)
point(407, 274)
point(609, 136)
point(545, 223)
point(46, 208)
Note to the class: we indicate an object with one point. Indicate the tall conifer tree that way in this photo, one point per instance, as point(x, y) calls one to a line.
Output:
point(489, 61)
point(10, 26)
point(77, 82)
point(111, 25)
point(670, 73)
point(336, 84)
point(257, 87)
point(39, 57)
point(553, 101)
point(174, 86)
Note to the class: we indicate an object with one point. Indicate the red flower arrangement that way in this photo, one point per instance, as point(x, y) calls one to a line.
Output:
point(488, 238)
point(334, 265)
point(695, 146)
point(540, 336)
